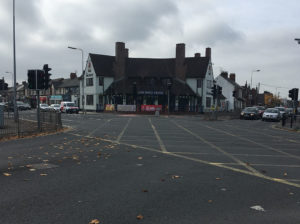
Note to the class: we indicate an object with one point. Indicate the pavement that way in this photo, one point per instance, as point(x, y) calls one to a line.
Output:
point(125, 168)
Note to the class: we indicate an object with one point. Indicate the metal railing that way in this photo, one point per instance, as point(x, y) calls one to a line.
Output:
point(292, 121)
point(26, 123)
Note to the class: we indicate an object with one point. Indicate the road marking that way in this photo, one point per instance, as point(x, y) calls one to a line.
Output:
point(253, 142)
point(234, 154)
point(217, 148)
point(92, 132)
point(123, 131)
point(260, 164)
point(278, 180)
point(161, 144)
point(269, 135)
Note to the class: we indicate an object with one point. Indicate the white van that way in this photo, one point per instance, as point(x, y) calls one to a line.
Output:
point(68, 107)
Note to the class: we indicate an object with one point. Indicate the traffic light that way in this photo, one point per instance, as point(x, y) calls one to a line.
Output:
point(296, 94)
point(1, 84)
point(40, 79)
point(219, 90)
point(47, 76)
point(214, 91)
point(293, 93)
point(31, 78)
point(234, 93)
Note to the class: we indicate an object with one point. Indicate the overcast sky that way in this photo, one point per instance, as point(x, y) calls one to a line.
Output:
point(244, 35)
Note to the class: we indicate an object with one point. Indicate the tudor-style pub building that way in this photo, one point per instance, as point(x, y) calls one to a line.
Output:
point(183, 83)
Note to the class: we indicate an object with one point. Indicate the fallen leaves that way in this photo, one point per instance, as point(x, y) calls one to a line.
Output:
point(175, 177)
point(210, 201)
point(258, 208)
point(140, 157)
point(94, 221)
point(145, 190)
point(139, 217)
point(7, 174)
point(218, 178)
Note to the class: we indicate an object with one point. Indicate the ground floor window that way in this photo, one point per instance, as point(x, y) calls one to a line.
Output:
point(89, 99)
point(208, 102)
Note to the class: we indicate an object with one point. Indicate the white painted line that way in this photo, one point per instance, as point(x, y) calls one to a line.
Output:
point(92, 132)
point(218, 149)
point(123, 131)
point(162, 146)
point(277, 180)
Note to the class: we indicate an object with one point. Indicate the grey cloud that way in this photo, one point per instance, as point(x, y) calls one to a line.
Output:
point(214, 32)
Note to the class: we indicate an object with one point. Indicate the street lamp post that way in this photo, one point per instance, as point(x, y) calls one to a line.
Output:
point(257, 70)
point(82, 53)
point(12, 78)
point(14, 52)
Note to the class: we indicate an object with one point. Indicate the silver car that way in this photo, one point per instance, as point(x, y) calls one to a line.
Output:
point(271, 114)
point(44, 107)
point(55, 107)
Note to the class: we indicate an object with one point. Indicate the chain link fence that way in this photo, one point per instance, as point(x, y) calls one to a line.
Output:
point(26, 123)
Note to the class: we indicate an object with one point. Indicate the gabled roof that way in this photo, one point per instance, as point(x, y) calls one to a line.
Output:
point(66, 83)
point(149, 67)
point(196, 67)
point(231, 82)
point(103, 64)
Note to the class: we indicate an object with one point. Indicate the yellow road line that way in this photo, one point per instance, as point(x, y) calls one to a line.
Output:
point(217, 148)
point(253, 142)
point(278, 180)
point(123, 131)
point(161, 144)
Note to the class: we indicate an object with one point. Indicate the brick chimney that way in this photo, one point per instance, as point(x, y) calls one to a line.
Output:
point(73, 75)
point(224, 75)
point(180, 67)
point(232, 76)
point(120, 60)
point(208, 52)
point(197, 55)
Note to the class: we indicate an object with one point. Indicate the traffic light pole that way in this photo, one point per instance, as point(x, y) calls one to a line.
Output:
point(38, 110)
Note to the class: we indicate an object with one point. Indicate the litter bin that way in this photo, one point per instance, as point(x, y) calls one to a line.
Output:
point(1, 116)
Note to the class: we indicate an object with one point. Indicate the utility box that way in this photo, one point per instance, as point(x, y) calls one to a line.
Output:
point(1, 116)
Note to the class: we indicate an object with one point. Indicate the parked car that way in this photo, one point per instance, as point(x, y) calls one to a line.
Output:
point(68, 107)
point(282, 111)
point(44, 107)
point(289, 111)
point(261, 110)
point(250, 113)
point(23, 106)
point(55, 107)
point(271, 114)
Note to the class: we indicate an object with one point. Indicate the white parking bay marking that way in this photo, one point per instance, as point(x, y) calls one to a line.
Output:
point(92, 132)
point(162, 146)
point(123, 131)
